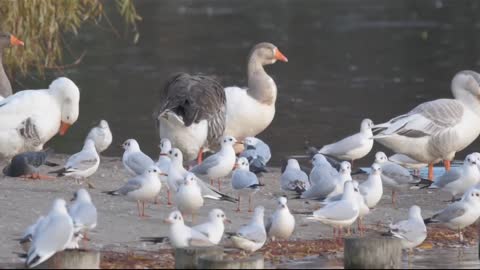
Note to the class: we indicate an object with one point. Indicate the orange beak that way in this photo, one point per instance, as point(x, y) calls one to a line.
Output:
point(63, 128)
point(15, 41)
point(164, 174)
point(279, 56)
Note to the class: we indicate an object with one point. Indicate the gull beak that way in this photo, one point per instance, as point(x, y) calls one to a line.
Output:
point(14, 41)
point(167, 221)
point(239, 143)
point(228, 221)
point(72, 199)
point(279, 56)
point(164, 174)
point(63, 128)
point(235, 166)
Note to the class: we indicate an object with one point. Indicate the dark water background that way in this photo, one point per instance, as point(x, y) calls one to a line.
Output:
point(348, 60)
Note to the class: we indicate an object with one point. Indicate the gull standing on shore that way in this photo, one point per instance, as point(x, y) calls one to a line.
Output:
point(293, 178)
point(282, 223)
point(252, 236)
point(82, 164)
point(459, 179)
point(188, 198)
point(331, 187)
point(372, 189)
point(83, 213)
point(244, 181)
point(353, 147)
point(394, 175)
point(322, 170)
point(134, 160)
point(214, 227)
point(258, 154)
point(219, 164)
point(341, 213)
point(141, 188)
point(182, 236)
point(163, 164)
point(101, 135)
point(461, 214)
point(52, 236)
point(411, 232)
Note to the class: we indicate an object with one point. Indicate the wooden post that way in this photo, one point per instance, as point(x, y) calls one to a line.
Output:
point(72, 259)
point(255, 261)
point(187, 258)
point(372, 253)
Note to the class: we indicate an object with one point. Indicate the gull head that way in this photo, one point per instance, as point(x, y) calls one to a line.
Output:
point(415, 212)
point(242, 164)
point(293, 164)
point(345, 167)
point(366, 124)
point(103, 124)
point(174, 218)
point(250, 141)
point(471, 160)
point(81, 195)
point(376, 169)
point(229, 141)
point(176, 155)
point(218, 215)
point(282, 202)
point(380, 157)
point(319, 160)
point(189, 179)
point(131, 145)
point(154, 171)
point(165, 146)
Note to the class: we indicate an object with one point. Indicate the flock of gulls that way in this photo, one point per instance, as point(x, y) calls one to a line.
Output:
point(196, 115)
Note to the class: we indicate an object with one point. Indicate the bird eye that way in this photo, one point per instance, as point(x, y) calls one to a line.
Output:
point(223, 216)
point(176, 155)
point(154, 170)
point(230, 139)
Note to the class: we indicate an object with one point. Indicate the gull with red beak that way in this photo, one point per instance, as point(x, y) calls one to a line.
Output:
point(30, 118)
point(188, 198)
point(214, 227)
point(142, 188)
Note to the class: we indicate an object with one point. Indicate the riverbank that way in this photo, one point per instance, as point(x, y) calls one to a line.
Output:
point(119, 228)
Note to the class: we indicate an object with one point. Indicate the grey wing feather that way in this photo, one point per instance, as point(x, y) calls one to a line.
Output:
point(253, 233)
point(202, 168)
point(243, 179)
point(452, 211)
point(85, 214)
point(319, 192)
point(132, 185)
point(139, 162)
point(447, 177)
point(396, 172)
point(337, 211)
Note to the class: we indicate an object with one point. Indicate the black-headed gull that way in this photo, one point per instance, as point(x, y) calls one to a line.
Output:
point(182, 236)
point(282, 223)
point(322, 170)
point(83, 213)
point(411, 232)
point(339, 214)
point(244, 181)
point(214, 227)
point(82, 164)
point(258, 154)
point(331, 186)
point(54, 234)
point(293, 178)
point(141, 188)
point(372, 188)
point(134, 160)
point(188, 197)
point(252, 236)
point(219, 164)
point(436, 130)
point(395, 175)
point(352, 147)
point(461, 214)
point(459, 179)
point(101, 135)
point(163, 163)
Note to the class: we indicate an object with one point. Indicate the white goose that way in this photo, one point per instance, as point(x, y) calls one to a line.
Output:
point(436, 130)
point(251, 110)
point(30, 118)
